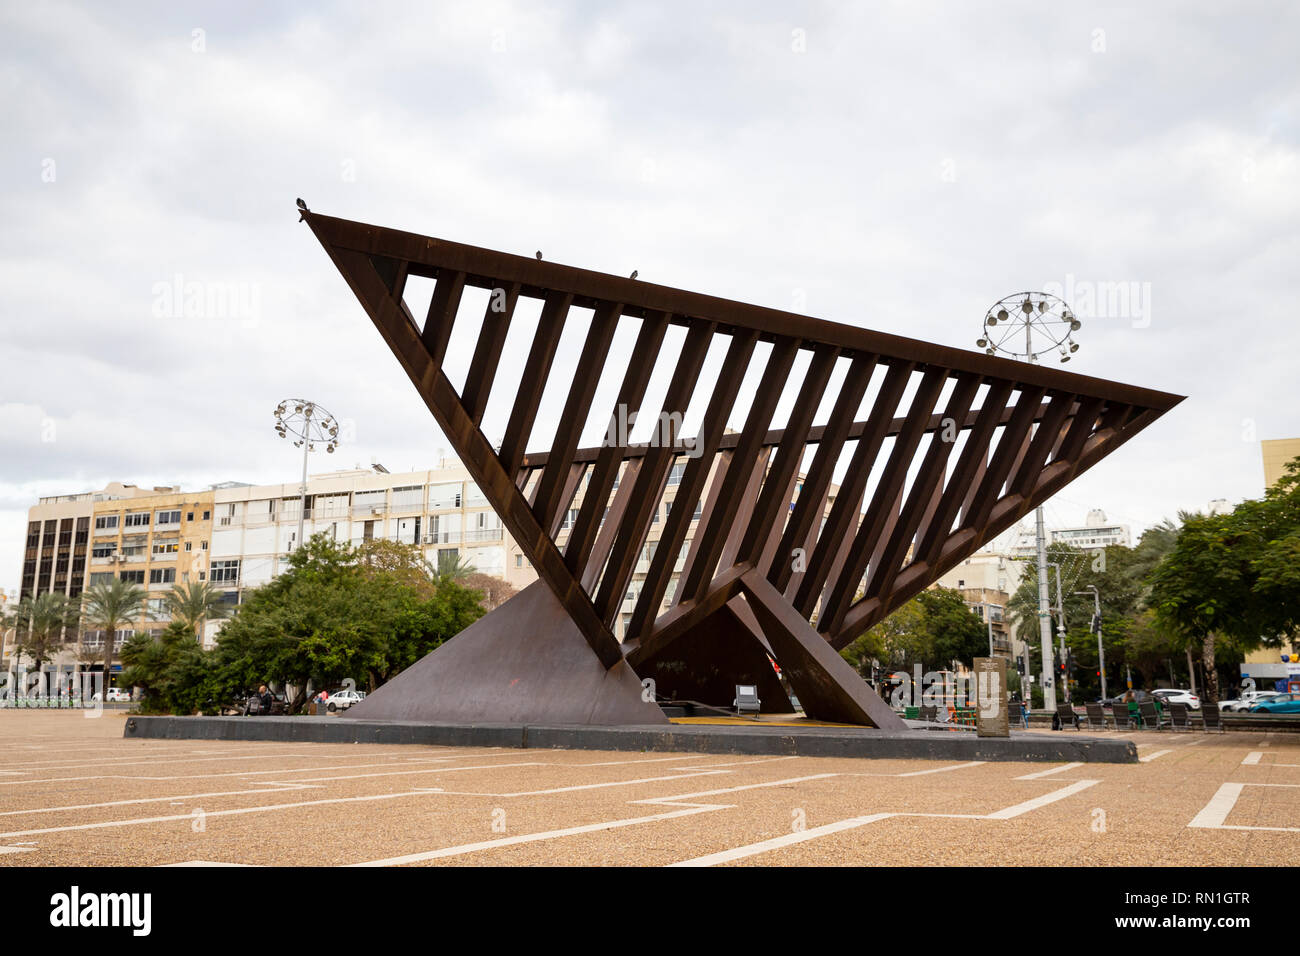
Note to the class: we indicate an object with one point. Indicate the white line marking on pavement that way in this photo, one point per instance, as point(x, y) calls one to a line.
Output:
point(1150, 757)
point(586, 786)
point(765, 846)
point(534, 837)
point(955, 766)
point(1048, 773)
point(1252, 757)
point(17, 849)
point(1042, 801)
point(176, 801)
point(753, 849)
point(1216, 811)
point(670, 801)
point(747, 786)
point(215, 813)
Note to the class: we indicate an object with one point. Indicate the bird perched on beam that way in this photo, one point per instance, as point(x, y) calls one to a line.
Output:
point(303, 210)
point(539, 254)
point(633, 275)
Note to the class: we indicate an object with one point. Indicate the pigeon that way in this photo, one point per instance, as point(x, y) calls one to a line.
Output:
point(539, 254)
point(303, 210)
point(633, 275)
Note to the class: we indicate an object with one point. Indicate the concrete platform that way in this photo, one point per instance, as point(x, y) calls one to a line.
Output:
point(1061, 746)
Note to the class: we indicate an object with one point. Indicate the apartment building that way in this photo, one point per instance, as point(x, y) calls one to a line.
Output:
point(442, 511)
point(1095, 532)
point(58, 553)
point(986, 581)
point(155, 541)
point(239, 536)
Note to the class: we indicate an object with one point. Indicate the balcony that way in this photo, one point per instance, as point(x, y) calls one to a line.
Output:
point(481, 535)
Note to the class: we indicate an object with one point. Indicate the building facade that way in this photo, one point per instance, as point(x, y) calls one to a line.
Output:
point(238, 536)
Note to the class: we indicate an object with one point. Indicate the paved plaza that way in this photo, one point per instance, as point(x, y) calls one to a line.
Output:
point(74, 792)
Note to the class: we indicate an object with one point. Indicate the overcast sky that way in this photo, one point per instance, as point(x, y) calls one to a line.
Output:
point(896, 166)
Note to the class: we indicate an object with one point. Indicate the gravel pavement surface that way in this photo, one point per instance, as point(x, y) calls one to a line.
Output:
point(74, 792)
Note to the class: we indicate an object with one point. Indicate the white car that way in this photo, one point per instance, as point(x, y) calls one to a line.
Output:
point(344, 699)
point(1168, 695)
point(1248, 700)
point(115, 695)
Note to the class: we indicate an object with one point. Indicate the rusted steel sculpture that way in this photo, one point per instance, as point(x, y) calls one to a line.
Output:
point(948, 449)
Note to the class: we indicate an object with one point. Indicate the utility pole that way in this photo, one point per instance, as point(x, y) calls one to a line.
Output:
point(1060, 629)
point(1044, 615)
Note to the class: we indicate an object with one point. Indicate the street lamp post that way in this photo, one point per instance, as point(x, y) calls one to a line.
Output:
point(309, 425)
point(1047, 323)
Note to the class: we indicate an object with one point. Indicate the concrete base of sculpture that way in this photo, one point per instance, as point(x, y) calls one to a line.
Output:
point(524, 662)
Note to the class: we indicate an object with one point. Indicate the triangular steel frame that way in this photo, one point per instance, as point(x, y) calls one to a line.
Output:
point(1025, 432)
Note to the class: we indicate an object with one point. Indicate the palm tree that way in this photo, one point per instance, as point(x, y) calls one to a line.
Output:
point(107, 606)
point(194, 603)
point(39, 622)
point(452, 567)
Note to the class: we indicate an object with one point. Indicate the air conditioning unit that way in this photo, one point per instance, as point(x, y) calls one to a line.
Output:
point(430, 539)
point(376, 511)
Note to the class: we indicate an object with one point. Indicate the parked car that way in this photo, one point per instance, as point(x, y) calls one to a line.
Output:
point(1278, 704)
point(116, 695)
point(1248, 700)
point(343, 699)
point(1171, 695)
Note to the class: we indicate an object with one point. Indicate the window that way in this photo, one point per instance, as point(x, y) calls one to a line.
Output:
point(167, 517)
point(675, 475)
point(162, 575)
point(104, 550)
point(369, 502)
point(189, 516)
point(105, 522)
point(137, 520)
point(164, 549)
point(207, 515)
point(408, 498)
point(225, 572)
point(519, 560)
point(204, 546)
point(100, 577)
point(443, 497)
point(133, 577)
point(189, 545)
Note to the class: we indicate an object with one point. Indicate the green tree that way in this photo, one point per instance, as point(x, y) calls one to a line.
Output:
point(42, 623)
point(194, 603)
point(340, 612)
point(174, 674)
point(1231, 580)
point(934, 629)
point(107, 606)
